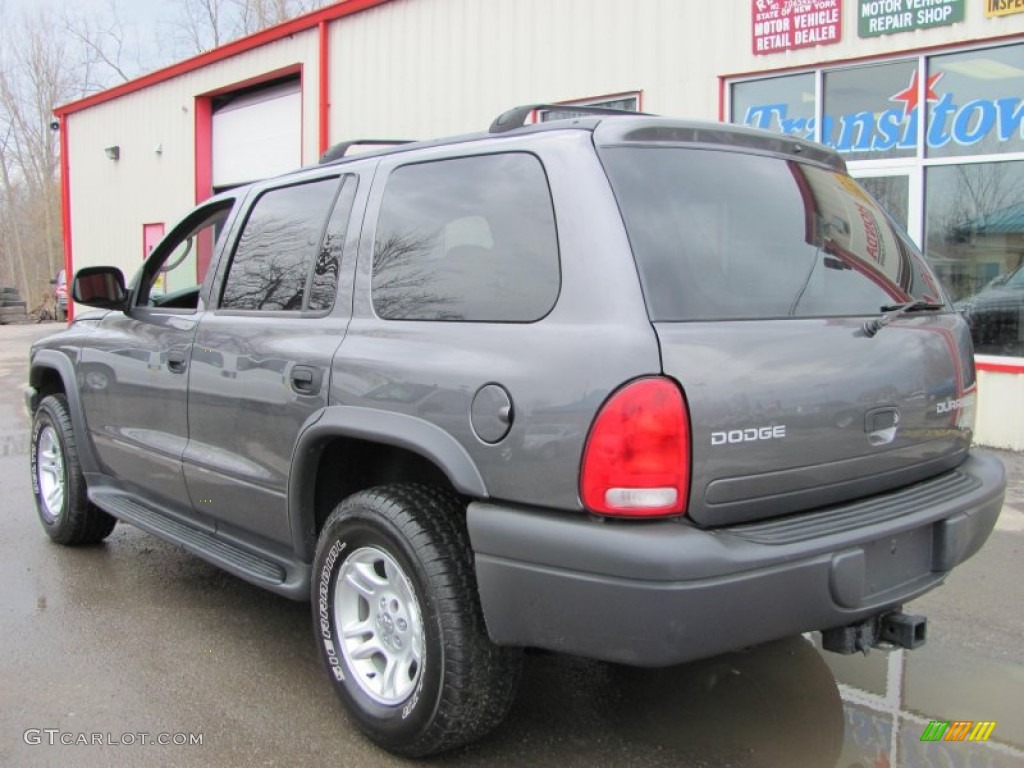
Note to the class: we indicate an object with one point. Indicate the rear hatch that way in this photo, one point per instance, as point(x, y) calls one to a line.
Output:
point(820, 359)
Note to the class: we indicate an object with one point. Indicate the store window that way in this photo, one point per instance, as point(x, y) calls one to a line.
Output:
point(870, 112)
point(627, 102)
point(975, 239)
point(782, 104)
point(975, 102)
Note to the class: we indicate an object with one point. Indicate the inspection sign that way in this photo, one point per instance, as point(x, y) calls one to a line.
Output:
point(1003, 7)
point(886, 17)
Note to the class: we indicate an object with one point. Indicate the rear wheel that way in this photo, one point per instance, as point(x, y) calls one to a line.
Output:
point(399, 624)
point(57, 481)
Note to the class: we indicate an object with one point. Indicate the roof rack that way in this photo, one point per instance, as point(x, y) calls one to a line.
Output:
point(338, 151)
point(517, 116)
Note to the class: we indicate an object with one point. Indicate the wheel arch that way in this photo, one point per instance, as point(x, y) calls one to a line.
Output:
point(375, 447)
point(53, 373)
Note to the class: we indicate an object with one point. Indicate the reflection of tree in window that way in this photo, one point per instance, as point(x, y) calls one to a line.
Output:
point(401, 280)
point(969, 208)
point(469, 238)
point(324, 283)
point(277, 249)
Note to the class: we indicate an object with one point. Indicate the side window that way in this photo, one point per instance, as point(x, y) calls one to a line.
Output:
point(470, 239)
point(277, 249)
point(324, 280)
point(171, 277)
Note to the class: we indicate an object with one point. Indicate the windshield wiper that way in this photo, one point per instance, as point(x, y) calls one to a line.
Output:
point(891, 311)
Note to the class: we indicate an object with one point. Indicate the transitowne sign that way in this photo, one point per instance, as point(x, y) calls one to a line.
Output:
point(886, 17)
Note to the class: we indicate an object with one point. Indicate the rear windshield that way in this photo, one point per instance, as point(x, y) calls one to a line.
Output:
point(722, 235)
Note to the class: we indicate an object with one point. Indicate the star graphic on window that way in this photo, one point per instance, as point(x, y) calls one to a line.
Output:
point(909, 94)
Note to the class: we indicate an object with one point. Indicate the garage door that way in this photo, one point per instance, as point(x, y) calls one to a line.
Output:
point(257, 134)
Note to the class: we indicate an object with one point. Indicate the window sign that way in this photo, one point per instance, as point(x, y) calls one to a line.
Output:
point(872, 110)
point(783, 25)
point(885, 17)
point(782, 104)
point(1003, 7)
point(975, 105)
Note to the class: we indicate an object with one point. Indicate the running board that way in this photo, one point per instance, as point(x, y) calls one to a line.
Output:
point(259, 570)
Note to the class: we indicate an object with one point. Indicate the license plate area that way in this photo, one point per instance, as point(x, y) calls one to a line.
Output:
point(897, 560)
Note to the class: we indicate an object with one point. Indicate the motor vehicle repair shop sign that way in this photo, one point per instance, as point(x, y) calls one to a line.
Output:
point(885, 17)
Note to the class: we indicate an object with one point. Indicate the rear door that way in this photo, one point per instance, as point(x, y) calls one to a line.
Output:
point(761, 275)
point(261, 360)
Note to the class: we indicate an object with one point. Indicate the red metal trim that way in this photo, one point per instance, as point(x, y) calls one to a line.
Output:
point(263, 77)
point(323, 106)
point(204, 164)
point(1015, 368)
point(65, 210)
point(722, 89)
point(302, 119)
point(204, 147)
point(272, 34)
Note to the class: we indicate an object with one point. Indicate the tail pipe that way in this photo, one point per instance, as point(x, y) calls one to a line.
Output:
point(895, 629)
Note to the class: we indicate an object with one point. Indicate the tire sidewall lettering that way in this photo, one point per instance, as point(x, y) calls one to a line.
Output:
point(324, 594)
point(405, 713)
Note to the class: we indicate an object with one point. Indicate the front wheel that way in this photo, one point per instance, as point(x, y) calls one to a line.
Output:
point(67, 515)
point(399, 624)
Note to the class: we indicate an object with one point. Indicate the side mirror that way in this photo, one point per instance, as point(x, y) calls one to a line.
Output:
point(100, 287)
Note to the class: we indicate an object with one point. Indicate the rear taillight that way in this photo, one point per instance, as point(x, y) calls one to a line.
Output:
point(637, 458)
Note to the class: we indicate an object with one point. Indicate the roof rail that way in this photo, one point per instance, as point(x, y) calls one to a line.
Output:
point(516, 117)
point(338, 151)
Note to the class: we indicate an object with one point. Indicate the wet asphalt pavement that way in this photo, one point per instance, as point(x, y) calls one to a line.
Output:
point(122, 642)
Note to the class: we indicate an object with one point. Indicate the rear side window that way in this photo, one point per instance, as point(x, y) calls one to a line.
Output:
point(277, 254)
point(723, 235)
point(470, 239)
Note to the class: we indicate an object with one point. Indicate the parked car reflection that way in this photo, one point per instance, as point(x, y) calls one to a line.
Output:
point(996, 315)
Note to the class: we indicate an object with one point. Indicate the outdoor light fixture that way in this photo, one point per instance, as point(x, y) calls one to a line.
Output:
point(114, 152)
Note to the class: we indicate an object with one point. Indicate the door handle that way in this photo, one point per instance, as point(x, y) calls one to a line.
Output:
point(305, 379)
point(176, 361)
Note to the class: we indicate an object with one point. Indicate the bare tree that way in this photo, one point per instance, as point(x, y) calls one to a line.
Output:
point(106, 49)
point(35, 75)
point(201, 25)
point(44, 65)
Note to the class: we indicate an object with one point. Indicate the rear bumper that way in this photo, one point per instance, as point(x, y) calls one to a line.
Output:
point(665, 592)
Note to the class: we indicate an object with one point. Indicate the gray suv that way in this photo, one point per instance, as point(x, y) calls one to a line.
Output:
point(619, 386)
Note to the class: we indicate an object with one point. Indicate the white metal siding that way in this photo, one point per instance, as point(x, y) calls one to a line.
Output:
point(424, 68)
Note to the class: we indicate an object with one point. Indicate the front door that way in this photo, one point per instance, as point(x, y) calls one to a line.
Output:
point(134, 371)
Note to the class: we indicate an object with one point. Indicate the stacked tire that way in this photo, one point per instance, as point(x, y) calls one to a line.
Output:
point(12, 308)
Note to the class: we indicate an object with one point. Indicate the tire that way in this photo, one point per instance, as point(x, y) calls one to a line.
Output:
point(57, 480)
point(393, 566)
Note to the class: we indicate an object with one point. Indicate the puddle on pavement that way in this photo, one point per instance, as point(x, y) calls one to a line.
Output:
point(783, 705)
point(889, 699)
